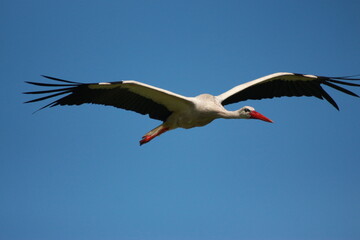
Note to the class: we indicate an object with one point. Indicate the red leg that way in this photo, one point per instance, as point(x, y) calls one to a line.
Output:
point(148, 138)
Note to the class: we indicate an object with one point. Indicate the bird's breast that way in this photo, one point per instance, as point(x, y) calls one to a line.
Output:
point(190, 122)
point(192, 119)
point(203, 112)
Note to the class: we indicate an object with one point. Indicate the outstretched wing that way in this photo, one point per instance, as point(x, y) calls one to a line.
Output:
point(287, 84)
point(128, 95)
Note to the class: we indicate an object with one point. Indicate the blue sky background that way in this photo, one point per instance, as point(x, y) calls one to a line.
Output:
point(79, 173)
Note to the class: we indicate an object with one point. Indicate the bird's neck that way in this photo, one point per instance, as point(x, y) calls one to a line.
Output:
point(231, 115)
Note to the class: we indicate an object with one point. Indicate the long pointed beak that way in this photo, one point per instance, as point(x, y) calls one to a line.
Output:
point(256, 115)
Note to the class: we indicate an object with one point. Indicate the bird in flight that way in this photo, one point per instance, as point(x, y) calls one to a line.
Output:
point(177, 111)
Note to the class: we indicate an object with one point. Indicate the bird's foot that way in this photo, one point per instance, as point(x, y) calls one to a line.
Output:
point(152, 134)
point(145, 139)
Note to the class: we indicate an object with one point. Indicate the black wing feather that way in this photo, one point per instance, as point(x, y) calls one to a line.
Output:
point(59, 80)
point(341, 89)
point(293, 88)
point(79, 93)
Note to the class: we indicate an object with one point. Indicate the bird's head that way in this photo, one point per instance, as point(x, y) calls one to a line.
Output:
point(250, 113)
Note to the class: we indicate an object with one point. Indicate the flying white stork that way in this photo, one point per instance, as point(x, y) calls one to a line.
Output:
point(177, 111)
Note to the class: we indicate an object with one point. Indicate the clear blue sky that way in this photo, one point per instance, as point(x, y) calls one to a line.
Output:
point(79, 173)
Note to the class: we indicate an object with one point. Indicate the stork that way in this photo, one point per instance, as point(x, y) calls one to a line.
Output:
point(177, 111)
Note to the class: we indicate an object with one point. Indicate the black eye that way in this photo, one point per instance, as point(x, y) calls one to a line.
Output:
point(246, 110)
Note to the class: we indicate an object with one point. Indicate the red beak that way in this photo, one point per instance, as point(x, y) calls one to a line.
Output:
point(256, 115)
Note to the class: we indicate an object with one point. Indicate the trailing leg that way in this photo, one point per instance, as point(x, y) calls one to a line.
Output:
point(153, 133)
